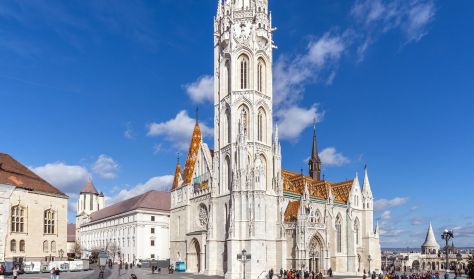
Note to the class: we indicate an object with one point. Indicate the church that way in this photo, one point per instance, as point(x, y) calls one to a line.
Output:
point(237, 197)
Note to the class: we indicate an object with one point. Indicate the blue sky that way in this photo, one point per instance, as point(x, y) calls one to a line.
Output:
point(108, 89)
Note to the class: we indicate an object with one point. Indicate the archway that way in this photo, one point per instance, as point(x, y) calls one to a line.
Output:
point(194, 257)
point(415, 265)
point(316, 254)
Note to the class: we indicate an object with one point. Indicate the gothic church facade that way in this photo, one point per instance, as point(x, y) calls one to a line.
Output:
point(237, 197)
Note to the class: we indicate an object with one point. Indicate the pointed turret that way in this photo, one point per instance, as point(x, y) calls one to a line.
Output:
point(354, 195)
point(196, 141)
point(177, 176)
point(89, 188)
point(430, 246)
point(367, 191)
point(377, 229)
point(314, 161)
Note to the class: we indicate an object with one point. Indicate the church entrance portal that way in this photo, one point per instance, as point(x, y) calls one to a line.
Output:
point(315, 254)
point(194, 257)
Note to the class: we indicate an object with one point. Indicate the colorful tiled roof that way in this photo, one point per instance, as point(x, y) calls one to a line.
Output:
point(192, 154)
point(154, 200)
point(294, 183)
point(177, 177)
point(15, 174)
point(89, 188)
point(291, 212)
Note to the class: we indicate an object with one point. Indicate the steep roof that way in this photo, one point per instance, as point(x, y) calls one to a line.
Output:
point(154, 200)
point(89, 188)
point(294, 183)
point(71, 232)
point(15, 174)
point(177, 176)
point(430, 240)
point(291, 212)
point(192, 154)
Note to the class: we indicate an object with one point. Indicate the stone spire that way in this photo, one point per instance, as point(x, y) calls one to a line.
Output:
point(430, 245)
point(366, 186)
point(314, 161)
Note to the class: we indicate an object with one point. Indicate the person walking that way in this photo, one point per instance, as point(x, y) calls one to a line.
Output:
point(52, 274)
point(15, 272)
point(57, 272)
point(270, 273)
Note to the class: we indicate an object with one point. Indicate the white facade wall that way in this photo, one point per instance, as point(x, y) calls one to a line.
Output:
point(131, 233)
point(5, 193)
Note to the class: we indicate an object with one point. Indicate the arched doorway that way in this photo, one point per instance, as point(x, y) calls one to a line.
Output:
point(194, 257)
point(415, 265)
point(315, 254)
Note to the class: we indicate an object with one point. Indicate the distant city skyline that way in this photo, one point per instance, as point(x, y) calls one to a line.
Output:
point(109, 91)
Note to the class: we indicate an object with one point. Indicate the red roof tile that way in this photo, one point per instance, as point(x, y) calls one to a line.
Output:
point(15, 174)
point(154, 200)
point(89, 188)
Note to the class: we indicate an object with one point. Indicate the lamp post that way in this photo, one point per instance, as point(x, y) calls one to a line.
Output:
point(244, 258)
point(370, 259)
point(447, 235)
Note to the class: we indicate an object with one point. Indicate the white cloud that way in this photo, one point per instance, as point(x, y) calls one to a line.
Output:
point(293, 120)
point(386, 215)
point(66, 177)
point(202, 90)
point(157, 148)
point(291, 75)
point(160, 183)
point(105, 167)
point(417, 221)
point(178, 130)
point(330, 157)
point(384, 204)
point(411, 17)
point(129, 133)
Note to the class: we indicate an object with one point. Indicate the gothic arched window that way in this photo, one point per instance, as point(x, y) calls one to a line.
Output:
point(48, 221)
point(261, 75)
point(45, 247)
point(22, 245)
point(226, 129)
point(244, 71)
point(339, 234)
point(356, 230)
point(227, 174)
point(17, 219)
point(261, 125)
point(53, 246)
point(13, 245)
point(227, 78)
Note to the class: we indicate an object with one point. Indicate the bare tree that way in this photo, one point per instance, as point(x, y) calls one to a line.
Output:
point(77, 250)
point(112, 249)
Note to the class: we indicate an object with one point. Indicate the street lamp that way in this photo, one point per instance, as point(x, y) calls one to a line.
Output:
point(244, 258)
point(447, 235)
point(370, 259)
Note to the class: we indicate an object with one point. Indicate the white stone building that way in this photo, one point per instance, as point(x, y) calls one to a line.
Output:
point(237, 196)
point(134, 229)
point(33, 216)
point(433, 258)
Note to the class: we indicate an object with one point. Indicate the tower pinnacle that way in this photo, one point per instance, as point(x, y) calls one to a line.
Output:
point(315, 161)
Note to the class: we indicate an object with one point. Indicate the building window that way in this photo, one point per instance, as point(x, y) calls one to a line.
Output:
point(45, 247)
point(49, 221)
point(53, 246)
point(261, 125)
point(152, 243)
point(18, 219)
point(152, 230)
point(244, 72)
point(338, 234)
point(356, 230)
point(13, 245)
point(153, 218)
point(227, 84)
point(261, 76)
point(152, 256)
point(91, 202)
point(22, 246)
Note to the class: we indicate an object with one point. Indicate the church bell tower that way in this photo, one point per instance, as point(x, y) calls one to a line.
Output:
point(247, 162)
